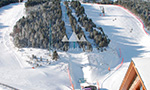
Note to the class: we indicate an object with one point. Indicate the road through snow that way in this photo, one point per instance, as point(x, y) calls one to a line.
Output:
point(7, 14)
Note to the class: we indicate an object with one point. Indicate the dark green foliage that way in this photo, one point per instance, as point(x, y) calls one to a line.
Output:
point(55, 56)
point(97, 34)
point(85, 22)
point(138, 7)
point(106, 2)
point(33, 30)
point(78, 8)
point(6, 2)
point(35, 2)
point(141, 9)
point(77, 29)
point(101, 1)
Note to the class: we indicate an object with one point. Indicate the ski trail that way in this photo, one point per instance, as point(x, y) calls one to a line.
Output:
point(117, 24)
point(66, 20)
point(6, 48)
point(76, 66)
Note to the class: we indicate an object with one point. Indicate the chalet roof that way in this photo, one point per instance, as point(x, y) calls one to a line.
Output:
point(143, 67)
point(73, 38)
point(83, 39)
point(65, 39)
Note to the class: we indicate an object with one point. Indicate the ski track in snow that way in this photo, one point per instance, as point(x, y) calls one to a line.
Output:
point(14, 71)
point(132, 44)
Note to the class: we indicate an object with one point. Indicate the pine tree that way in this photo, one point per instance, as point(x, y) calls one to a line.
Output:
point(55, 56)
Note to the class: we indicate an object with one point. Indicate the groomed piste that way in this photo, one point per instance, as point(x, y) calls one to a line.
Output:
point(117, 24)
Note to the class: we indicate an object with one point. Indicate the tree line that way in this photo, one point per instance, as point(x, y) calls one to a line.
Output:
point(33, 30)
point(96, 33)
point(30, 3)
point(140, 8)
point(77, 29)
point(6, 2)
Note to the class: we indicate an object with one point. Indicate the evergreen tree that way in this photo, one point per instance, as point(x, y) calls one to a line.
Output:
point(55, 56)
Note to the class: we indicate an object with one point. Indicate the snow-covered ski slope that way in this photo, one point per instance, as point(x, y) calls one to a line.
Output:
point(117, 24)
point(132, 44)
point(16, 72)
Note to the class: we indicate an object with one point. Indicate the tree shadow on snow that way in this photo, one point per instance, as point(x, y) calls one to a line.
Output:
point(128, 45)
point(2, 26)
point(2, 9)
point(128, 48)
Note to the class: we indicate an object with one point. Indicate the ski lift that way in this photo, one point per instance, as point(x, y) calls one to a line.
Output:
point(102, 11)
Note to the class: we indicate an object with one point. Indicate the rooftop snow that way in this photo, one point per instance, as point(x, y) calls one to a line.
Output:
point(143, 65)
point(83, 39)
point(65, 39)
point(73, 38)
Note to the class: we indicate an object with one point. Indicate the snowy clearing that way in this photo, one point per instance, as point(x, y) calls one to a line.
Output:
point(14, 70)
point(117, 24)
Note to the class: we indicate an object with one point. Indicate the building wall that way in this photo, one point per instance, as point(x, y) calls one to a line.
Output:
point(132, 79)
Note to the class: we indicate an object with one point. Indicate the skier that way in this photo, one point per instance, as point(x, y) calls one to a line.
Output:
point(114, 19)
point(131, 30)
point(103, 11)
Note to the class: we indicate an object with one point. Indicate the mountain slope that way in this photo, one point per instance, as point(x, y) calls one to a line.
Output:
point(126, 33)
point(14, 70)
point(117, 24)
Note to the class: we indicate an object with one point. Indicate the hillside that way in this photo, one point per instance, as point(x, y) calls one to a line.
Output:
point(6, 2)
point(44, 28)
point(117, 24)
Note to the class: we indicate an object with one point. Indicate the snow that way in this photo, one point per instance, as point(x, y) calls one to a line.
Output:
point(65, 39)
point(83, 39)
point(65, 18)
point(14, 70)
point(73, 38)
point(142, 66)
point(2, 88)
point(93, 66)
point(117, 24)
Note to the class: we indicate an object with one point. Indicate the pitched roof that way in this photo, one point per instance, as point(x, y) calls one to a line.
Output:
point(73, 38)
point(82, 39)
point(65, 39)
point(143, 67)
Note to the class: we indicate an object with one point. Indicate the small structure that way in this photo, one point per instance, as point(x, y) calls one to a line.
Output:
point(65, 39)
point(82, 39)
point(102, 11)
point(74, 38)
point(137, 76)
